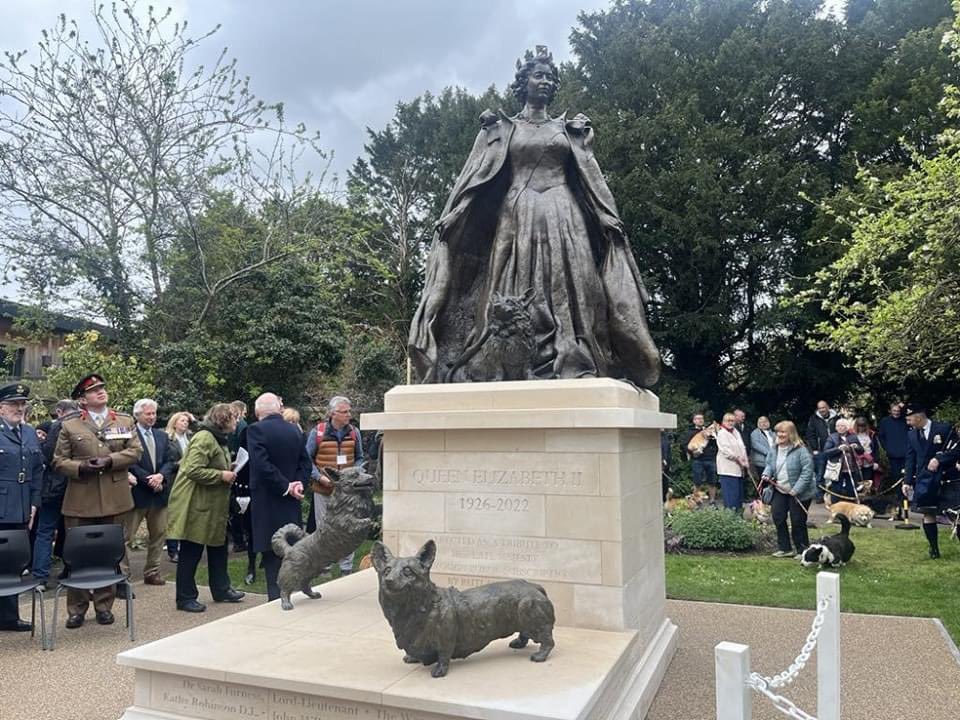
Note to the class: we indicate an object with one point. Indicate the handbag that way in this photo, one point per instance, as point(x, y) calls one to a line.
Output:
point(831, 472)
point(766, 495)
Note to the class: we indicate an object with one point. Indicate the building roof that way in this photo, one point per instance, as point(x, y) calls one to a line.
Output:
point(64, 323)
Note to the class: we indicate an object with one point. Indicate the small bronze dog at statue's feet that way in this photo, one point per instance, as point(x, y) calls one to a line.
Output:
point(345, 526)
point(434, 625)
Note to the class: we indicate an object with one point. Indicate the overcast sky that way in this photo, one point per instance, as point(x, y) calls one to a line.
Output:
point(341, 65)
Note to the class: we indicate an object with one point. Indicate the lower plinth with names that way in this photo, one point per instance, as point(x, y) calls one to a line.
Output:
point(556, 482)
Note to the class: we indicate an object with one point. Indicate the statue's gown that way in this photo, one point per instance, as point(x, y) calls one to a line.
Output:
point(531, 217)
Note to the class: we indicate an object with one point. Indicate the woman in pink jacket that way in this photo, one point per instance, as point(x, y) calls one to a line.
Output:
point(731, 463)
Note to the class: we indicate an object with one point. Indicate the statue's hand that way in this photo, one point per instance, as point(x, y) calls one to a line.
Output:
point(488, 118)
point(614, 231)
point(580, 124)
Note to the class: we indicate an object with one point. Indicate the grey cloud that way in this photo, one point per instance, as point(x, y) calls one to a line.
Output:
point(340, 67)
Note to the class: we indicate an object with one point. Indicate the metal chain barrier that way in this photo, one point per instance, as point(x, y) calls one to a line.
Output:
point(765, 685)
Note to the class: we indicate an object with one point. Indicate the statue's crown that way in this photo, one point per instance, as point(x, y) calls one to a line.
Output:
point(542, 53)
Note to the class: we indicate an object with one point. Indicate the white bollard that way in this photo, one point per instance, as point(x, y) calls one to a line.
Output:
point(828, 649)
point(732, 662)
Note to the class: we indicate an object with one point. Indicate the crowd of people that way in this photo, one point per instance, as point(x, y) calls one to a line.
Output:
point(907, 455)
point(197, 485)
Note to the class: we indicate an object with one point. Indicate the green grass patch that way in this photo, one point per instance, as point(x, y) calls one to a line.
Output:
point(237, 567)
point(890, 574)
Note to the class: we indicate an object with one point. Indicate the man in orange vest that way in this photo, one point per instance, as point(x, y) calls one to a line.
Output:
point(334, 442)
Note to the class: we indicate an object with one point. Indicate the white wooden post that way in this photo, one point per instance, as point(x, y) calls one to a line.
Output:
point(828, 648)
point(732, 663)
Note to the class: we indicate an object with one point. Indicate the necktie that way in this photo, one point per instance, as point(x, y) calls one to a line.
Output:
point(151, 446)
point(16, 431)
point(98, 420)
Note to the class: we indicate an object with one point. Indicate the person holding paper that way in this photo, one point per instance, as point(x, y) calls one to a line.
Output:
point(199, 507)
point(279, 468)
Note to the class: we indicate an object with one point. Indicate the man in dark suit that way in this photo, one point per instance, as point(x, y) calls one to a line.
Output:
point(926, 442)
point(154, 476)
point(49, 521)
point(21, 479)
point(279, 468)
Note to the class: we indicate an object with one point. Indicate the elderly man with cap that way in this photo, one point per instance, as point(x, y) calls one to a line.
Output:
point(21, 480)
point(95, 450)
point(930, 472)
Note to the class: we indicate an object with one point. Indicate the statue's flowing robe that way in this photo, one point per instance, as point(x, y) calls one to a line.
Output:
point(447, 319)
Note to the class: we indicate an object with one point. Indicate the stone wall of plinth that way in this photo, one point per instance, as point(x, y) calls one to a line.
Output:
point(556, 482)
point(553, 481)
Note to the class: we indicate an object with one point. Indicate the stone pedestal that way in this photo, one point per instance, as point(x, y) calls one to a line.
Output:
point(557, 482)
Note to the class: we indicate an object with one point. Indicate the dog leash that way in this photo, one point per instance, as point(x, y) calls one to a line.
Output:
point(855, 499)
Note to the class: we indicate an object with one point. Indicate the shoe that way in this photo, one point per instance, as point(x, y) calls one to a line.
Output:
point(104, 617)
point(174, 557)
point(74, 621)
point(250, 578)
point(17, 626)
point(231, 596)
point(934, 554)
point(191, 606)
point(153, 580)
point(783, 554)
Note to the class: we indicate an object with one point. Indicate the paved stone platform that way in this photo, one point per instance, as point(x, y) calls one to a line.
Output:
point(893, 667)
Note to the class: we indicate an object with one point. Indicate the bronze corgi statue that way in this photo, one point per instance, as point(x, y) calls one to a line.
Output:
point(345, 527)
point(433, 624)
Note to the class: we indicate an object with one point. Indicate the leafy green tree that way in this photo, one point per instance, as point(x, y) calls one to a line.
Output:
point(892, 297)
point(128, 377)
point(398, 191)
point(715, 119)
point(273, 332)
point(112, 145)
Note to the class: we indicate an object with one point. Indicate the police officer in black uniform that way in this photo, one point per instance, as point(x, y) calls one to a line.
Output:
point(21, 479)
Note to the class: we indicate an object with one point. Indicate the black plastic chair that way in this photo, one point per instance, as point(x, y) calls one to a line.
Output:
point(14, 560)
point(91, 556)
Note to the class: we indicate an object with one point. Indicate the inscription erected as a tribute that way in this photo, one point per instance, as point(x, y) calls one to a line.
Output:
point(211, 700)
point(527, 558)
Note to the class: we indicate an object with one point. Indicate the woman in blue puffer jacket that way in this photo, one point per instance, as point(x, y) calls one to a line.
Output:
point(789, 470)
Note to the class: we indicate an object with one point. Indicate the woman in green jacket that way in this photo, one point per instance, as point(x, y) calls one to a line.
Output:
point(199, 508)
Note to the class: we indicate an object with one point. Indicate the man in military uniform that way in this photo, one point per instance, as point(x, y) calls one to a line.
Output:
point(21, 480)
point(94, 451)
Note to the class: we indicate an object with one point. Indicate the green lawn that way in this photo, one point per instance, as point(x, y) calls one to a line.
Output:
point(890, 574)
point(237, 566)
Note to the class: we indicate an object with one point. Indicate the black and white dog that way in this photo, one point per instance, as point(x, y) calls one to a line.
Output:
point(832, 550)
